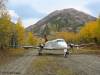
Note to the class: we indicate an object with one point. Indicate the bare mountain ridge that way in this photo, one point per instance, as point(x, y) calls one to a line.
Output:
point(61, 20)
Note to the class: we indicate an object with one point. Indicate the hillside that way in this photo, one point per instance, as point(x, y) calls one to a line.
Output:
point(61, 20)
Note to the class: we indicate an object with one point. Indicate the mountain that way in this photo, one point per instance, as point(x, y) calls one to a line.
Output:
point(61, 20)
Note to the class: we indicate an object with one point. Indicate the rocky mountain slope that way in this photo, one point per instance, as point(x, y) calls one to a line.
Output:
point(61, 20)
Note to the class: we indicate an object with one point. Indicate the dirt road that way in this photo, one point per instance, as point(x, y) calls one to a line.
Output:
point(18, 66)
point(79, 64)
point(82, 64)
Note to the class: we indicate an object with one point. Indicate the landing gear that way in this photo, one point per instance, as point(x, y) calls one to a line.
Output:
point(66, 54)
point(40, 49)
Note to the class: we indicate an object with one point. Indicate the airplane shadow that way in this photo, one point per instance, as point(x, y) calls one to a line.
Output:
point(52, 54)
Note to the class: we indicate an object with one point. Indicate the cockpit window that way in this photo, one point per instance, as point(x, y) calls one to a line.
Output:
point(60, 40)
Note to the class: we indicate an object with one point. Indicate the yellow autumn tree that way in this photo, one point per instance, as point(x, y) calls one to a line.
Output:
point(5, 30)
point(68, 36)
point(98, 30)
point(20, 32)
point(32, 39)
point(87, 33)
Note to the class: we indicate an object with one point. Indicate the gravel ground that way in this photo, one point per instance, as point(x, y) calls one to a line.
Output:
point(79, 64)
point(82, 64)
point(19, 65)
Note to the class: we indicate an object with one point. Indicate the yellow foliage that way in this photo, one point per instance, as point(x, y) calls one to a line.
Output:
point(88, 32)
point(20, 32)
point(5, 31)
point(32, 39)
point(98, 29)
point(68, 36)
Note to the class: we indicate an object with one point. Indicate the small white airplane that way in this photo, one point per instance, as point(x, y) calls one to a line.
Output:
point(56, 44)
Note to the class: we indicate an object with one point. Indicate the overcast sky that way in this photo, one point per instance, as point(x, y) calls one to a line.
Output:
point(31, 11)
